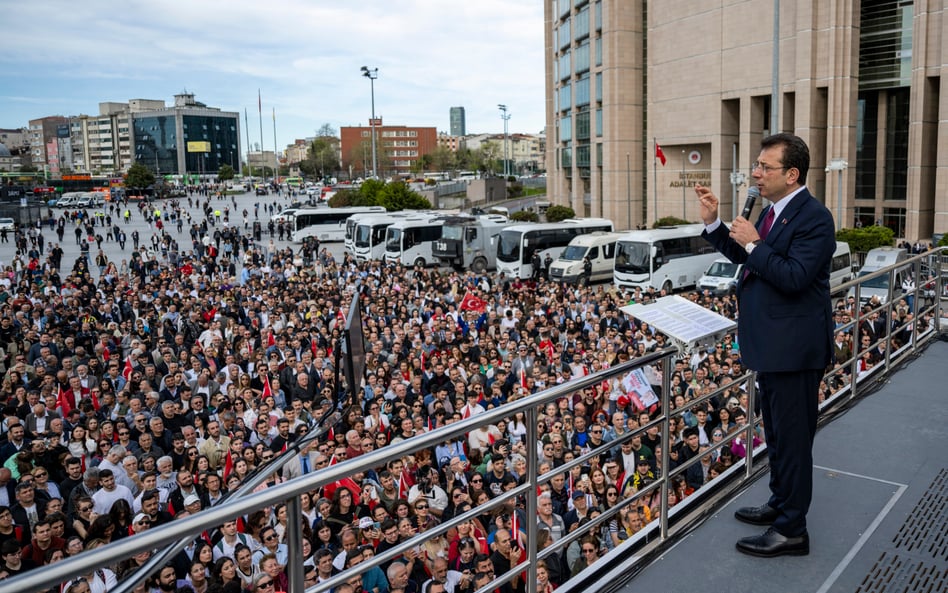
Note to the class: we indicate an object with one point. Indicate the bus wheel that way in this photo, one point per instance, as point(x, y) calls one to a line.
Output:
point(667, 287)
point(420, 262)
point(479, 265)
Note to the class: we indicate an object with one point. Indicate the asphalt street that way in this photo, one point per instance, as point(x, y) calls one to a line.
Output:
point(146, 230)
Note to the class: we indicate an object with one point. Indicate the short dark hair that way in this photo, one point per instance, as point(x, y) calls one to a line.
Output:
point(795, 152)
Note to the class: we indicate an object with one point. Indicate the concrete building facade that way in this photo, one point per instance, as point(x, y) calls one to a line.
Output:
point(859, 81)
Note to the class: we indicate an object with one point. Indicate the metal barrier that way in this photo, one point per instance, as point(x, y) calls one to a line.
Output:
point(174, 536)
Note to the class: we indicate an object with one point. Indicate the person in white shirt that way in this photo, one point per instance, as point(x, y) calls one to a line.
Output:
point(109, 492)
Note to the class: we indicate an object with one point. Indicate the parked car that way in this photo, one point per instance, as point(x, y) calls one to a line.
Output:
point(7, 224)
point(285, 215)
point(261, 191)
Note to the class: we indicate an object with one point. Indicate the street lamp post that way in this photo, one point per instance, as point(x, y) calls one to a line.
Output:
point(504, 116)
point(838, 165)
point(372, 74)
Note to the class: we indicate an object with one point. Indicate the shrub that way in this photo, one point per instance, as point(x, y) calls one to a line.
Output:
point(524, 216)
point(557, 213)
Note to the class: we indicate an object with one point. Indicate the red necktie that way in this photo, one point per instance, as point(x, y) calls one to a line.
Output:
point(768, 223)
point(763, 232)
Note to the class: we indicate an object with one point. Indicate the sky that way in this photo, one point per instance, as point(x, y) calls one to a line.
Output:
point(64, 58)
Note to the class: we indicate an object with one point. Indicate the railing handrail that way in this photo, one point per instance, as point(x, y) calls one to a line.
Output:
point(55, 574)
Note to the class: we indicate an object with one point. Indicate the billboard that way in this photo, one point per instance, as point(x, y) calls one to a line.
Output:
point(199, 147)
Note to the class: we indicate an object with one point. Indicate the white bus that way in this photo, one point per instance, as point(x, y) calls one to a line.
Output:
point(326, 224)
point(368, 237)
point(516, 244)
point(667, 258)
point(410, 240)
point(351, 223)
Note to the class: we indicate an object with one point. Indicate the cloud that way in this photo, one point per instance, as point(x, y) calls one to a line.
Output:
point(303, 55)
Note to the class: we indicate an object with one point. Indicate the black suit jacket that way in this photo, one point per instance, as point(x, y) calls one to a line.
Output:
point(786, 320)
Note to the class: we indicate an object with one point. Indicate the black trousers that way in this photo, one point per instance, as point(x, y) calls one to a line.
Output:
point(789, 403)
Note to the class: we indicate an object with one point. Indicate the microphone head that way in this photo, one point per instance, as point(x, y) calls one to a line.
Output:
point(753, 192)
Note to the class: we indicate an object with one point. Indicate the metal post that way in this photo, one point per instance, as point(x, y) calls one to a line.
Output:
point(838, 165)
point(531, 506)
point(294, 542)
point(505, 116)
point(666, 409)
point(372, 74)
point(775, 68)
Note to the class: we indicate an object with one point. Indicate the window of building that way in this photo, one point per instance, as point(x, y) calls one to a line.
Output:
point(566, 128)
point(563, 35)
point(582, 91)
point(581, 24)
point(582, 126)
point(894, 218)
point(564, 65)
point(566, 158)
point(582, 57)
point(566, 97)
point(599, 124)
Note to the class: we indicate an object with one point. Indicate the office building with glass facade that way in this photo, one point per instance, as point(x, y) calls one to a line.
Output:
point(860, 82)
point(161, 138)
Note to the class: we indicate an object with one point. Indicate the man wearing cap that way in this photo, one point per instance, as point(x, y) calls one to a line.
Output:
point(186, 489)
point(579, 511)
point(643, 473)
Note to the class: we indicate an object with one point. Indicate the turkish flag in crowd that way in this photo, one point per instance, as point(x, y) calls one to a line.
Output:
point(471, 302)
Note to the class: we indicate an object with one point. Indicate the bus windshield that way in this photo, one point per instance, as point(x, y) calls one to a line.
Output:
point(508, 246)
point(363, 234)
point(877, 282)
point(393, 241)
point(633, 257)
point(452, 232)
point(574, 253)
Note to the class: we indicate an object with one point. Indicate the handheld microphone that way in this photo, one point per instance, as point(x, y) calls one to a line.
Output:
point(752, 194)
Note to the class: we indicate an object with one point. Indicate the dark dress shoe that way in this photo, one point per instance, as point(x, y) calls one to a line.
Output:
point(762, 515)
point(771, 543)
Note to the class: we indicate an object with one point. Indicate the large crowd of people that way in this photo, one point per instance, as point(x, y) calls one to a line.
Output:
point(137, 394)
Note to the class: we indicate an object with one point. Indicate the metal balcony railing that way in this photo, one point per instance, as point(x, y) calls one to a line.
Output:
point(165, 541)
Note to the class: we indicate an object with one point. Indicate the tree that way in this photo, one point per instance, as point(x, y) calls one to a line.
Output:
point(866, 238)
point(321, 158)
point(28, 169)
point(396, 196)
point(524, 216)
point(442, 158)
point(370, 193)
point(139, 177)
point(225, 173)
point(669, 221)
point(557, 213)
point(343, 198)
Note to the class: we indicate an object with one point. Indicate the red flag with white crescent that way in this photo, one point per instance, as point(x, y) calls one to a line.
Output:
point(471, 302)
point(127, 370)
point(267, 390)
point(63, 403)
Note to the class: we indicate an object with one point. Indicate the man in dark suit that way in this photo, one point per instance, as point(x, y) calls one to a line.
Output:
point(785, 329)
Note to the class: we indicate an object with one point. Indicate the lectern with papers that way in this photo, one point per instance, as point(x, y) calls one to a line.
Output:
point(689, 326)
